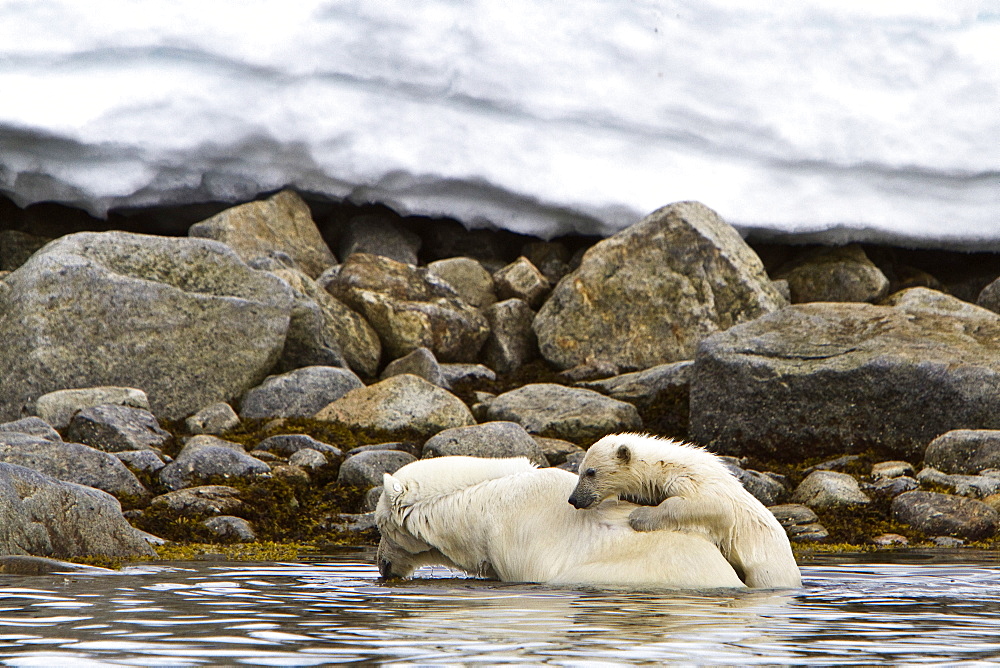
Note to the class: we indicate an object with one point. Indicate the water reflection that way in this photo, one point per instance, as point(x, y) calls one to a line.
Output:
point(851, 610)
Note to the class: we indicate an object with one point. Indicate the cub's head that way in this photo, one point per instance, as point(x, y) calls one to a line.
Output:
point(638, 468)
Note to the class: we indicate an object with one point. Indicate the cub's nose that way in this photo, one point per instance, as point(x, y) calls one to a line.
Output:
point(577, 502)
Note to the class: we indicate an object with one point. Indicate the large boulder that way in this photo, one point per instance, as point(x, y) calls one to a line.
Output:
point(843, 274)
point(280, 223)
point(824, 378)
point(569, 413)
point(299, 393)
point(650, 293)
point(71, 462)
point(207, 458)
point(943, 514)
point(399, 403)
point(491, 439)
point(146, 312)
point(410, 308)
point(964, 451)
point(46, 517)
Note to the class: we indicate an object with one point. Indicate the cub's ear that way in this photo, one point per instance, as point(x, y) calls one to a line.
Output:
point(623, 454)
point(391, 486)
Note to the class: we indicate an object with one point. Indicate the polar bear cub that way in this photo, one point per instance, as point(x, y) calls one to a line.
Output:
point(685, 487)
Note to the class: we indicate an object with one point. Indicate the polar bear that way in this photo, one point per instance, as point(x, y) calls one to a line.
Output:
point(506, 519)
point(687, 488)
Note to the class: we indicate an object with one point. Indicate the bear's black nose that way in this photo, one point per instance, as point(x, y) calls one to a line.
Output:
point(577, 503)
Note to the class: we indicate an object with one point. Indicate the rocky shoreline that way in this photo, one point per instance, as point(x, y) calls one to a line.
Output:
point(249, 377)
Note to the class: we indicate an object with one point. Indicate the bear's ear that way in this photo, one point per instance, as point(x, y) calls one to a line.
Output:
point(392, 487)
point(623, 454)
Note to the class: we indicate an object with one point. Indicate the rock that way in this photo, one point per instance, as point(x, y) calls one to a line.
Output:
point(572, 463)
point(335, 330)
point(964, 451)
point(823, 377)
point(551, 257)
point(511, 342)
point(282, 222)
point(596, 369)
point(115, 428)
point(204, 458)
point(156, 312)
point(468, 278)
point(836, 464)
point(34, 426)
point(893, 486)
point(351, 523)
point(659, 393)
point(71, 462)
point(58, 408)
point(287, 445)
point(764, 487)
point(556, 450)
point(989, 297)
point(947, 541)
point(215, 419)
point(407, 447)
point(397, 404)
point(141, 461)
point(521, 280)
point(309, 341)
point(891, 469)
point(231, 529)
point(299, 393)
point(410, 308)
point(43, 516)
point(569, 413)
point(371, 499)
point(491, 439)
point(843, 274)
point(308, 459)
point(200, 501)
point(379, 235)
point(420, 363)
point(800, 522)
point(889, 540)
point(466, 373)
point(944, 514)
point(650, 293)
point(829, 489)
point(975, 486)
point(292, 473)
point(365, 469)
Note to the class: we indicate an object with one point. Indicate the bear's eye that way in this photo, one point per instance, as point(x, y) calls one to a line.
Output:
point(590, 473)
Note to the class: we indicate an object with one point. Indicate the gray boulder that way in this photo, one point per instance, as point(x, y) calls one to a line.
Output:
point(141, 461)
point(35, 426)
point(205, 458)
point(71, 462)
point(491, 439)
point(155, 312)
point(512, 342)
point(829, 489)
point(766, 488)
point(558, 451)
point(216, 418)
point(466, 373)
point(410, 308)
point(200, 501)
point(799, 522)
point(399, 403)
point(327, 327)
point(232, 529)
point(943, 514)
point(964, 451)
point(299, 393)
point(975, 486)
point(823, 378)
point(842, 274)
point(468, 278)
point(115, 428)
point(280, 223)
point(46, 517)
point(420, 362)
point(58, 408)
point(650, 293)
point(660, 393)
point(365, 469)
point(378, 234)
point(569, 413)
point(892, 487)
point(891, 469)
point(287, 445)
point(522, 280)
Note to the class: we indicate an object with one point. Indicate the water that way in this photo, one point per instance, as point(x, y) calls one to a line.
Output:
point(913, 607)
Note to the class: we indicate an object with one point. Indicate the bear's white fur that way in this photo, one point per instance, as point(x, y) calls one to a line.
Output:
point(687, 488)
point(505, 519)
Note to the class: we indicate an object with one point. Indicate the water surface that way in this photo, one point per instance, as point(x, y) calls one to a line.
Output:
point(914, 607)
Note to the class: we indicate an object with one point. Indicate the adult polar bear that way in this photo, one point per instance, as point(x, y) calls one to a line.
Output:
point(505, 519)
point(690, 490)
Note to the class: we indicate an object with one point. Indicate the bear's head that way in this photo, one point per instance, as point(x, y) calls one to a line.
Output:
point(640, 469)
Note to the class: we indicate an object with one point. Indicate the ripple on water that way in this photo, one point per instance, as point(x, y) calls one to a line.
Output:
point(851, 609)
